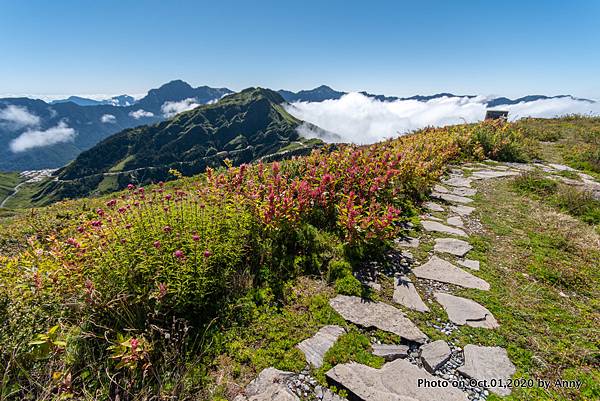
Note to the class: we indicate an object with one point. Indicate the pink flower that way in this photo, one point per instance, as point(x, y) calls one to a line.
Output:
point(207, 253)
point(111, 203)
point(156, 244)
point(128, 226)
point(179, 254)
point(134, 343)
point(167, 229)
point(80, 229)
point(100, 212)
point(196, 238)
point(130, 186)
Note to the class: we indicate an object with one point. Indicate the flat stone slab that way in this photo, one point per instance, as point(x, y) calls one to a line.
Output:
point(487, 363)
point(455, 221)
point(470, 263)
point(377, 314)
point(458, 182)
point(466, 311)
point(561, 167)
point(441, 188)
point(390, 352)
point(487, 174)
point(451, 198)
point(395, 381)
point(434, 355)
point(461, 191)
point(407, 242)
point(270, 385)
point(434, 207)
point(451, 245)
point(406, 294)
point(314, 348)
point(442, 228)
point(462, 210)
point(441, 270)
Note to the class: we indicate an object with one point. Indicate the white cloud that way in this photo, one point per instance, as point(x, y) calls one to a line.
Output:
point(141, 113)
point(108, 119)
point(361, 119)
point(169, 109)
point(16, 117)
point(551, 108)
point(36, 138)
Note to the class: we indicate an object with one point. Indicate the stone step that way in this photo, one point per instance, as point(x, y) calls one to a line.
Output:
point(455, 221)
point(490, 364)
point(434, 207)
point(395, 381)
point(438, 269)
point(379, 315)
point(434, 355)
point(390, 352)
point(466, 311)
point(436, 226)
point(451, 198)
point(451, 245)
point(487, 174)
point(406, 294)
point(271, 384)
point(314, 348)
point(462, 210)
point(469, 263)
point(458, 182)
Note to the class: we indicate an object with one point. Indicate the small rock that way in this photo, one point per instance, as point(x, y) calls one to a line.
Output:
point(435, 354)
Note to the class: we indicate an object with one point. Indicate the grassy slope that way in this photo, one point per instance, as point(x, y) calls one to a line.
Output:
point(571, 140)
point(7, 182)
point(544, 274)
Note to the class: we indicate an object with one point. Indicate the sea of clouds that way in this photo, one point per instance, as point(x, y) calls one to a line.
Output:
point(361, 119)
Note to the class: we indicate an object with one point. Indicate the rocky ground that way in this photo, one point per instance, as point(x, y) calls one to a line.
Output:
point(418, 368)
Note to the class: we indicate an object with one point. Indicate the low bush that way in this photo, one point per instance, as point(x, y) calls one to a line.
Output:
point(348, 285)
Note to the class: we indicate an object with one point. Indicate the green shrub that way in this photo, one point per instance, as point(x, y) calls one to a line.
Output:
point(352, 346)
point(535, 183)
point(348, 285)
point(338, 269)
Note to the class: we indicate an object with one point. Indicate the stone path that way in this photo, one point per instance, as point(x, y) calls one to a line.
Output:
point(269, 385)
point(450, 245)
point(418, 359)
point(406, 294)
point(395, 381)
point(465, 311)
point(314, 348)
point(390, 352)
point(441, 270)
point(434, 355)
point(488, 363)
point(377, 314)
point(442, 228)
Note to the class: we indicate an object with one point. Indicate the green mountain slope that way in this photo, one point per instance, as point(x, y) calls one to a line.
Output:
point(242, 127)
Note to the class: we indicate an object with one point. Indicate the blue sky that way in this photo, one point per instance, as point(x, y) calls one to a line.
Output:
point(397, 48)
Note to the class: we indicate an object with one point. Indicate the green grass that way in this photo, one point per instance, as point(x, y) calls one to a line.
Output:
point(566, 198)
point(545, 289)
point(573, 140)
point(7, 183)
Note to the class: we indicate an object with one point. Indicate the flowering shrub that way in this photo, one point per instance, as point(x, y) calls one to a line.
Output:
point(149, 257)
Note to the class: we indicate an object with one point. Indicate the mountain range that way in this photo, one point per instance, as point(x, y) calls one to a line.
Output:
point(242, 127)
point(39, 135)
